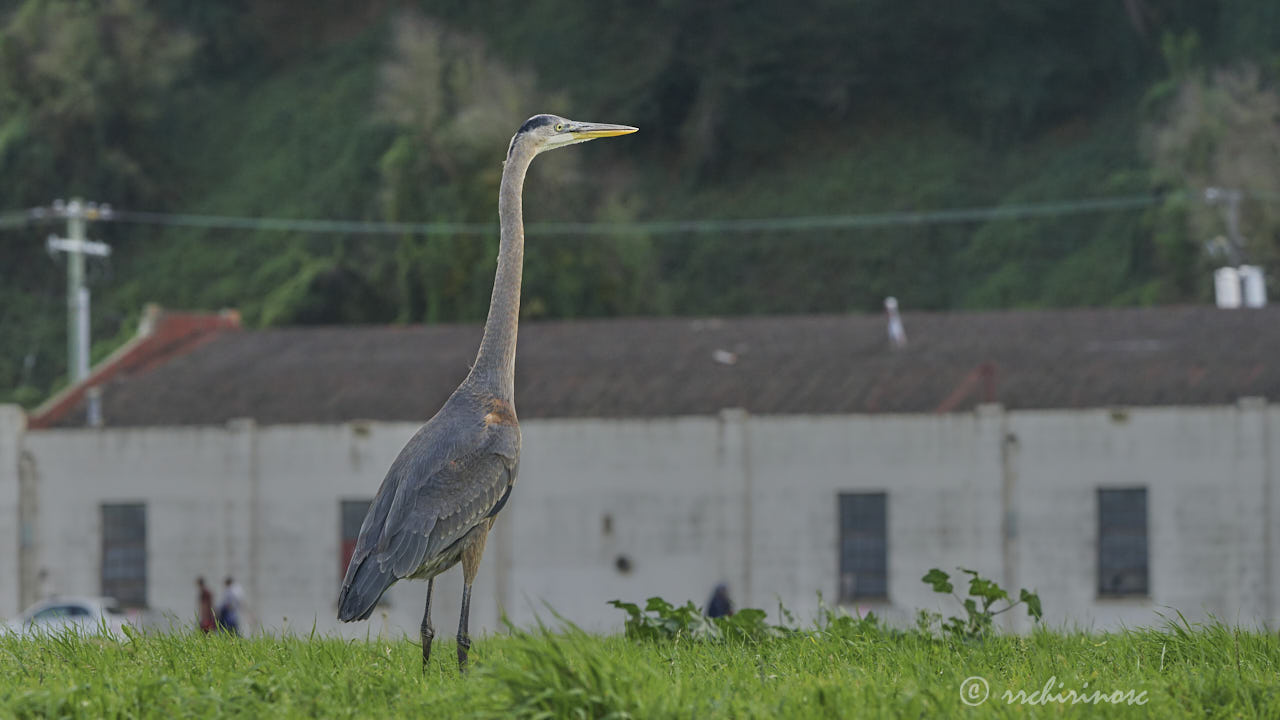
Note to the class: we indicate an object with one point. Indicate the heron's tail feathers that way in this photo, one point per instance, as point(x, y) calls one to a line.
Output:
point(361, 590)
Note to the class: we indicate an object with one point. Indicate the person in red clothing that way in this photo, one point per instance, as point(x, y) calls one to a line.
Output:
point(204, 602)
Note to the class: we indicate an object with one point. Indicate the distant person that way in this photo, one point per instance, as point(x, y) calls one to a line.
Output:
point(720, 605)
point(204, 606)
point(230, 606)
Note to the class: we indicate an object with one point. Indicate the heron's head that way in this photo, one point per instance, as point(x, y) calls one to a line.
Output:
point(546, 132)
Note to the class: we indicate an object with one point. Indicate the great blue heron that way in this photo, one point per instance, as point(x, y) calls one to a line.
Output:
point(438, 500)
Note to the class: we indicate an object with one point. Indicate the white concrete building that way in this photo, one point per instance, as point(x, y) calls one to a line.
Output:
point(1112, 511)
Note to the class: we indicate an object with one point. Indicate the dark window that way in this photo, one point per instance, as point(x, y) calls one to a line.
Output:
point(124, 553)
point(1122, 542)
point(353, 512)
point(863, 547)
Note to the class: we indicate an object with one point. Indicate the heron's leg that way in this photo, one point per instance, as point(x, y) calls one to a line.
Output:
point(464, 640)
point(471, 553)
point(428, 632)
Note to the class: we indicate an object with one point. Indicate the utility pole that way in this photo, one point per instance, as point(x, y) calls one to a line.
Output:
point(76, 245)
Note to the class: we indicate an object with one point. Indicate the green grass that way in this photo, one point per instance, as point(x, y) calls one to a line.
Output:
point(849, 670)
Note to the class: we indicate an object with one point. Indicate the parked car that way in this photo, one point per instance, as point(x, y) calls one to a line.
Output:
point(86, 615)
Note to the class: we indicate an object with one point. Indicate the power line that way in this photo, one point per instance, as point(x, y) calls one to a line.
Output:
point(16, 219)
point(348, 227)
point(651, 227)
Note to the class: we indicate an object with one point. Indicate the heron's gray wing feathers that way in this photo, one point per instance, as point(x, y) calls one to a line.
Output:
point(440, 511)
point(448, 477)
point(443, 495)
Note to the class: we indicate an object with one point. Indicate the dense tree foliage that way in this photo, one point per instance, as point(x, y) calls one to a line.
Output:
point(401, 111)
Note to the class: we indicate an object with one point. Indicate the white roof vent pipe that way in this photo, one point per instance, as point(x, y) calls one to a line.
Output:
point(897, 333)
point(1226, 287)
point(1255, 286)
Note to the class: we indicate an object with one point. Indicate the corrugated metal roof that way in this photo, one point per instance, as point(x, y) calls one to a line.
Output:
point(653, 367)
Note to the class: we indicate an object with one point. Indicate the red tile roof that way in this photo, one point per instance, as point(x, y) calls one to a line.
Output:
point(162, 337)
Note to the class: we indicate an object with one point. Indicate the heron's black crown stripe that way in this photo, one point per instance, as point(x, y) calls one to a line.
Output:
point(536, 121)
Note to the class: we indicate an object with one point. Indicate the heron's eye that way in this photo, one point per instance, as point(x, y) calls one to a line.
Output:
point(559, 127)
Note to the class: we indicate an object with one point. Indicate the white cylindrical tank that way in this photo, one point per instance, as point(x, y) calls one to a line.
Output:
point(1226, 287)
point(1255, 286)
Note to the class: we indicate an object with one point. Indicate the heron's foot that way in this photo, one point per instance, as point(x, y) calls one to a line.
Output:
point(427, 635)
point(464, 646)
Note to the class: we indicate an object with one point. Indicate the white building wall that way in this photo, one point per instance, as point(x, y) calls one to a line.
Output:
point(652, 493)
point(1205, 474)
point(941, 474)
point(1271, 504)
point(194, 483)
point(12, 424)
point(687, 502)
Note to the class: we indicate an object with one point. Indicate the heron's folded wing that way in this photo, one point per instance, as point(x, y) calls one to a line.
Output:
point(431, 513)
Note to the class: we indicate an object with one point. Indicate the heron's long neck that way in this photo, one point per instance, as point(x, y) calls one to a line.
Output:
point(495, 365)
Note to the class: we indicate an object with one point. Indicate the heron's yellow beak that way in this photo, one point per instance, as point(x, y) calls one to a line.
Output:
point(591, 131)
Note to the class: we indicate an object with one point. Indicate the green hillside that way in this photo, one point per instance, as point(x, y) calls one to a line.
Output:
point(748, 110)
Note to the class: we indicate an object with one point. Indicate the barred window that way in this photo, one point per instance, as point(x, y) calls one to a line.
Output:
point(124, 553)
point(863, 547)
point(1122, 542)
